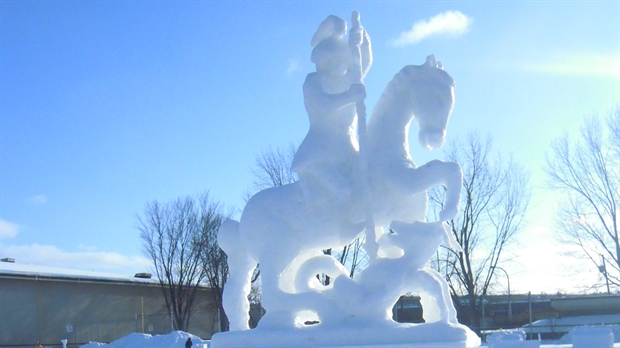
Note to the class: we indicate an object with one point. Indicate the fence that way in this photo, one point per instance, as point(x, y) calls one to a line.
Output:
point(553, 331)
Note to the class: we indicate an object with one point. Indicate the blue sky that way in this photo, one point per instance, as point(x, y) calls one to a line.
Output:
point(106, 105)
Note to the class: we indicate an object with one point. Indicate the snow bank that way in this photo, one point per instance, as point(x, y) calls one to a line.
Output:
point(178, 338)
point(592, 336)
point(138, 340)
point(511, 339)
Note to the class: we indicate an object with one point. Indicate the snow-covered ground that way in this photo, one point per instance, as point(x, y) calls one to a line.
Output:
point(138, 340)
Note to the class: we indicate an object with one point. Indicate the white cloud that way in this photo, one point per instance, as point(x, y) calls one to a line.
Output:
point(588, 65)
point(447, 23)
point(8, 229)
point(293, 65)
point(49, 255)
point(38, 199)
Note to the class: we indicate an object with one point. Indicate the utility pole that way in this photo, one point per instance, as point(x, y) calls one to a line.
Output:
point(483, 314)
point(529, 300)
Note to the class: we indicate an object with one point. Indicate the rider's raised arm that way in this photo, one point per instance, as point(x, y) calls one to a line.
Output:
point(316, 99)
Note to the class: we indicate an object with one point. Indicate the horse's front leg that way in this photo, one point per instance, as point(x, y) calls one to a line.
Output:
point(433, 173)
point(453, 181)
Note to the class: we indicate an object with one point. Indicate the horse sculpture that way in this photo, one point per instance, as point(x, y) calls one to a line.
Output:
point(280, 231)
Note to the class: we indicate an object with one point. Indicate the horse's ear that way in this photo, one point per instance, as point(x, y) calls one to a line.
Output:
point(431, 61)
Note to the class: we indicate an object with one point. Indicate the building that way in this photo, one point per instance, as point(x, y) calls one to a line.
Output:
point(500, 312)
point(39, 303)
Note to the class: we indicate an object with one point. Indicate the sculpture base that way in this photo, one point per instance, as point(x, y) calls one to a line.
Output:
point(401, 335)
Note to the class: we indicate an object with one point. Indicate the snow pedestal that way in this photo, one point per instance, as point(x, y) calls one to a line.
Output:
point(592, 337)
point(401, 335)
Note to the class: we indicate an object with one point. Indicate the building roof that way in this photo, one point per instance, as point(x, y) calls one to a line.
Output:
point(39, 272)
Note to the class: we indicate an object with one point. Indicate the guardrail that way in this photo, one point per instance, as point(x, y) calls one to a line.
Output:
point(550, 332)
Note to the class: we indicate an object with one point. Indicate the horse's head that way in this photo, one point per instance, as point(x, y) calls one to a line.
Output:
point(432, 101)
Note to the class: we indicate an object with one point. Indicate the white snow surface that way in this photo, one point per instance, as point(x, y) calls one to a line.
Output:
point(591, 336)
point(178, 338)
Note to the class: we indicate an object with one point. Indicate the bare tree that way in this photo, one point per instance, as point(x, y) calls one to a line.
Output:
point(214, 260)
point(587, 172)
point(353, 256)
point(494, 199)
point(273, 168)
point(177, 237)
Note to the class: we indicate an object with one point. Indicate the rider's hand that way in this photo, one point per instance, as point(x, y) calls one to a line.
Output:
point(358, 91)
point(356, 37)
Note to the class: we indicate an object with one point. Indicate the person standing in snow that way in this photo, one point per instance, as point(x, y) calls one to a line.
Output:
point(188, 343)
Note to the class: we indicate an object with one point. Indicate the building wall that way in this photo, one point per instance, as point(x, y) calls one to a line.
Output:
point(81, 311)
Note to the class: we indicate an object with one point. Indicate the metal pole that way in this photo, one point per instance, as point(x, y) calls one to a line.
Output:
point(529, 299)
point(509, 301)
point(142, 304)
point(483, 314)
point(604, 271)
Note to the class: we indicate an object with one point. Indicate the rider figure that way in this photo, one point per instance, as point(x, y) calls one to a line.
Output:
point(326, 161)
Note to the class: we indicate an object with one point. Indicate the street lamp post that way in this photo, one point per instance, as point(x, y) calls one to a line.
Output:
point(509, 302)
point(603, 269)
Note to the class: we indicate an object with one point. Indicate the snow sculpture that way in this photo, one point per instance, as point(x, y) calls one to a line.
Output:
point(284, 228)
point(326, 160)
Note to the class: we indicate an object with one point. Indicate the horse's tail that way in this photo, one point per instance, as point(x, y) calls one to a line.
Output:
point(241, 266)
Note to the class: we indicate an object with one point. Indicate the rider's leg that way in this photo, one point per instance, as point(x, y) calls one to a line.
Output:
point(337, 183)
point(312, 188)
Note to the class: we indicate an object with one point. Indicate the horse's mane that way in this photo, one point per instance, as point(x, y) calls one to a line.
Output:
point(410, 74)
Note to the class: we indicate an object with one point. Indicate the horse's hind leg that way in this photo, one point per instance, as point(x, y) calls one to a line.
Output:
point(435, 297)
point(237, 287)
point(447, 299)
point(278, 314)
point(434, 307)
point(236, 291)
